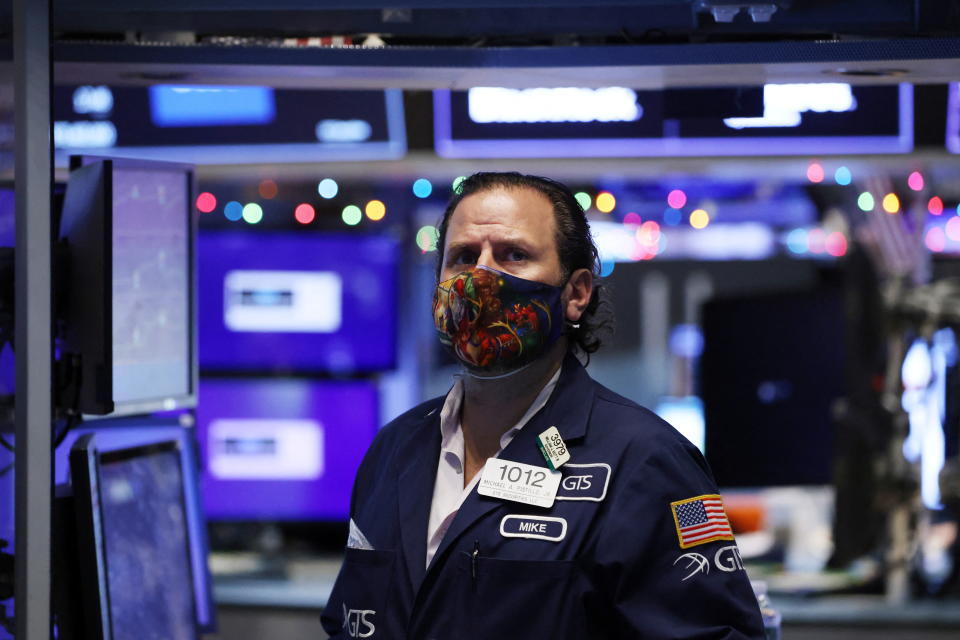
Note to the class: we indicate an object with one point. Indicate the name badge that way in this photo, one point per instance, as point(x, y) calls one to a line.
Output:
point(536, 527)
point(585, 482)
point(519, 482)
point(553, 448)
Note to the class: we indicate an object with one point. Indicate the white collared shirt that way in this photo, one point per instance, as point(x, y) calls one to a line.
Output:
point(448, 490)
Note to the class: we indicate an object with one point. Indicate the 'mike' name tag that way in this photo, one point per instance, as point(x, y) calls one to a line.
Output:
point(535, 527)
point(553, 448)
point(519, 482)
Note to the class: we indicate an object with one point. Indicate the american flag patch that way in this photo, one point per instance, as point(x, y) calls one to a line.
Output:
point(700, 520)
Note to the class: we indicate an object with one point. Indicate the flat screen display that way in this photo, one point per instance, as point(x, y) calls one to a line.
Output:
point(221, 124)
point(797, 119)
point(771, 369)
point(125, 433)
point(297, 302)
point(283, 450)
point(132, 322)
point(151, 284)
point(146, 544)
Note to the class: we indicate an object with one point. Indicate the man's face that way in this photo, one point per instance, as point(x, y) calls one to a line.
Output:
point(511, 230)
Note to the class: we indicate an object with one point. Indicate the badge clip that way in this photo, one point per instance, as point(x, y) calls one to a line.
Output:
point(553, 448)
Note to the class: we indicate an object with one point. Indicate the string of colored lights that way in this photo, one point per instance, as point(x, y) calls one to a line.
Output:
point(649, 237)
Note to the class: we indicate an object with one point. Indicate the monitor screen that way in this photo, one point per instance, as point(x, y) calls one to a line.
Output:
point(133, 501)
point(795, 119)
point(125, 433)
point(127, 231)
point(283, 450)
point(297, 302)
point(151, 284)
point(771, 368)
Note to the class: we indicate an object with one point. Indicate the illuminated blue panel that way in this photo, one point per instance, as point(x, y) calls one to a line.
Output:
point(294, 302)
point(210, 106)
point(953, 118)
point(283, 449)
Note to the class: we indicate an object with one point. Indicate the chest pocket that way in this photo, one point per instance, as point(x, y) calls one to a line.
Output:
point(527, 599)
point(357, 605)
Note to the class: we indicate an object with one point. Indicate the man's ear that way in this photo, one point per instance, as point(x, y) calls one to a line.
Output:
point(577, 294)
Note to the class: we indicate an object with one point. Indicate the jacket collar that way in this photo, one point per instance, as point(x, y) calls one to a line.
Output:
point(571, 402)
point(416, 473)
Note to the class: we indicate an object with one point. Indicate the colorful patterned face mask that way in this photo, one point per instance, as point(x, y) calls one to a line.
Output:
point(496, 322)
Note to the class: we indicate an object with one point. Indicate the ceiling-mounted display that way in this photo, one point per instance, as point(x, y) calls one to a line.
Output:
point(215, 124)
point(776, 119)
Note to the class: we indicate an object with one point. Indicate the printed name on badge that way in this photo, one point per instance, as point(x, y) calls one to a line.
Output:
point(535, 527)
point(553, 448)
point(519, 482)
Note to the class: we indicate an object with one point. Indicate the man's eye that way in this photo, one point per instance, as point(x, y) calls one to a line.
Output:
point(464, 257)
point(516, 255)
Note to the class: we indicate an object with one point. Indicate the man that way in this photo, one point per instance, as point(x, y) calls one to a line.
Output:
point(531, 502)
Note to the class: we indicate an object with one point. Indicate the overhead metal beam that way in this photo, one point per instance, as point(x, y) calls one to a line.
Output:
point(921, 61)
point(34, 473)
point(622, 20)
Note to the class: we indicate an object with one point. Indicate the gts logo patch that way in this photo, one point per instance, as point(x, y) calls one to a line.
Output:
point(584, 481)
point(358, 622)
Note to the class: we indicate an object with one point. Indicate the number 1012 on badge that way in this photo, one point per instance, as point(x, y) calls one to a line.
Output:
point(519, 482)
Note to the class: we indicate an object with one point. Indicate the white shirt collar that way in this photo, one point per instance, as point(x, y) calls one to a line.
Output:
point(452, 435)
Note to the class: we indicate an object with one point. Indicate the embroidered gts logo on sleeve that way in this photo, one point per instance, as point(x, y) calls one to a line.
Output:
point(700, 520)
point(358, 623)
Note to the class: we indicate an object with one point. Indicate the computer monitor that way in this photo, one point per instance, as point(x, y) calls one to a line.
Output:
point(771, 368)
point(283, 450)
point(124, 433)
point(126, 276)
point(134, 542)
point(297, 302)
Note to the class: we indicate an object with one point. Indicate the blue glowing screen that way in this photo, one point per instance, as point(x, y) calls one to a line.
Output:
point(283, 449)
point(206, 106)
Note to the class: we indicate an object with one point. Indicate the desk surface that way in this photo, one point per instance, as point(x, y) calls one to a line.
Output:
point(308, 585)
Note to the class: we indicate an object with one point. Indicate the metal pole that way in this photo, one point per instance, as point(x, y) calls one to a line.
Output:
point(34, 473)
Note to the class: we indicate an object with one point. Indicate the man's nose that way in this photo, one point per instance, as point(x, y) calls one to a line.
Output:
point(486, 259)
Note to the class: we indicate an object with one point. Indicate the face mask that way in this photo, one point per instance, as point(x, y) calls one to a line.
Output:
point(495, 322)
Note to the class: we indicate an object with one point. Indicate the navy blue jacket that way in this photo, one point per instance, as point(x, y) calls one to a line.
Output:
point(605, 561)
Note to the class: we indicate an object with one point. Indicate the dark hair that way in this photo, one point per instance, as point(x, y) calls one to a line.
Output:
point(575, 246)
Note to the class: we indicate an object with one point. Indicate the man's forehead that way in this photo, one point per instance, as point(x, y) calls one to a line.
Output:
point(516, 207)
